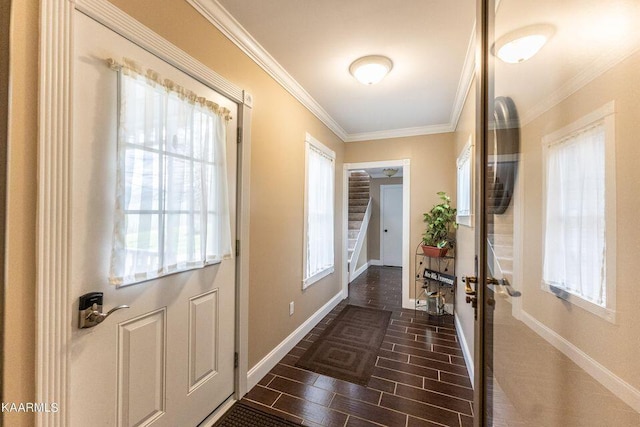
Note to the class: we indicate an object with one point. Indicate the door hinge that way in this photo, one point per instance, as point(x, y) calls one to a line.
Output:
point(237, 247)
point(235, 359)
point(239, 135)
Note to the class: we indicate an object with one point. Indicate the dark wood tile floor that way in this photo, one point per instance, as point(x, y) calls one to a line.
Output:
point(419, 380)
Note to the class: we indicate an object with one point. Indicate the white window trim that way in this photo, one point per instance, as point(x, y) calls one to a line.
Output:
point(467, 152)
point(310, 140)
point(606, 115)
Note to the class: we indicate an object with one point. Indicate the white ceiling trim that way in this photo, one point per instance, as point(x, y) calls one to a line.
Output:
point(600, 66)
point(466, 78)
point(399, 133)
point(231, 28)
point(215, 13)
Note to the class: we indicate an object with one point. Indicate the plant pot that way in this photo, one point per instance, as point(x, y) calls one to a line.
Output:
point(434, 252)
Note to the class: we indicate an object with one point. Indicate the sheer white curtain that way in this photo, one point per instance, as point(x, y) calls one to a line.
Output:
point(320, 213)
point(172, 210)
point(574, 246)
point(464, 183)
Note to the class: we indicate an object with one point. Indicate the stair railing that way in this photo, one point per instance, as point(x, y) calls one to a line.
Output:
point(355, 255)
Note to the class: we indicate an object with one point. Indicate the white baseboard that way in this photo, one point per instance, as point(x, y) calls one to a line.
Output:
point(353, 276)
point(468, 355)
point(625, 391)
point(263, 367)
point(363, 268)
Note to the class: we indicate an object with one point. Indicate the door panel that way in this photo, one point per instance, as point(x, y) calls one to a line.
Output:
point(203, 338)
point(169, 359)
point(553, 354)
point(391, 224)
point(141, 369)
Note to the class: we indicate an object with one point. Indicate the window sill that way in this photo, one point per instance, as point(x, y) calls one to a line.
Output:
point(466, 220)
point(316, 277)
point(606, 313)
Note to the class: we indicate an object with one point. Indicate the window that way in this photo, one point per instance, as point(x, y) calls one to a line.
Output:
point(464, 195)
point(579, 216)
point(319, 212)
point(172, 209)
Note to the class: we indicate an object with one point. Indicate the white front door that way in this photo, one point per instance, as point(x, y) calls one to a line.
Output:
point(168, 360)
point(391, 224)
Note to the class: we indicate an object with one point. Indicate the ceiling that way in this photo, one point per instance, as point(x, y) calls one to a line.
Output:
point(316, 41)
point(307, 46)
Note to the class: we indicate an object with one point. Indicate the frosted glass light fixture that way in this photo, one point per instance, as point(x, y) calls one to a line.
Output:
point(390, 172)
point(370, 70)
point(522, 44)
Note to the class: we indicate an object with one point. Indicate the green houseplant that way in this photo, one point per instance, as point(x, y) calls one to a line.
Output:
point(440, 221)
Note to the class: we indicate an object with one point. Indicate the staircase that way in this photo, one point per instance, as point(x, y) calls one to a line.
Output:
point(499, 229)
point(359, 185)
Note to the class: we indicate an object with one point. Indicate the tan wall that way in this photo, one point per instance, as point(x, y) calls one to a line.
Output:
point(465, 236)
point(277, 184)
point(615, 346)
point(19, 341)
point(373, 233)
point(432, 157)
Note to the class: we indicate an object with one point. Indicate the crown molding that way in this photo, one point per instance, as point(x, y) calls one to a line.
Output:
point(400, 133)
point(466, 79)
point(597, 68)
point(231, 28)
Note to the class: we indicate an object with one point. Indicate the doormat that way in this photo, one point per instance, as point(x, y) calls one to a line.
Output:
point(348, 348)
point(242, 414)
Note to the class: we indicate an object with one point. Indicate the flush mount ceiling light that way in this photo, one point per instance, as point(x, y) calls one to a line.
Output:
point(522, 44)
point(389, 172)
point(370, 70)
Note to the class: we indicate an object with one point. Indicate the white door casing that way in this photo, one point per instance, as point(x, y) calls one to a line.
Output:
point(391, 225)
point(171, 329)
point(405, 164)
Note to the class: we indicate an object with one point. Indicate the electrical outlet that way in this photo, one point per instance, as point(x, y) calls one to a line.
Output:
point(291, 308)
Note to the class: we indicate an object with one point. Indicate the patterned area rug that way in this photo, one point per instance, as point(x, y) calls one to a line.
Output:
point(348, 347)
point(242, 415)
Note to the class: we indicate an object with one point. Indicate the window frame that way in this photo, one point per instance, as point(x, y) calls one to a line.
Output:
point(467, 155)
point(163, 156)
point(605, 115)
point(310, 141)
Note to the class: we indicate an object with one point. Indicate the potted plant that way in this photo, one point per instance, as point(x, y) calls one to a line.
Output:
point(440, 220)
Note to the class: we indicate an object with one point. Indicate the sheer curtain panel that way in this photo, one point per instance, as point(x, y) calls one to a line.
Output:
point(574, 244)
point(172, 210)
point(319, 239)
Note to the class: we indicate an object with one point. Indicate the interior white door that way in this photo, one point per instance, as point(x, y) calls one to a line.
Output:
point(168, 360)
point(391, 225)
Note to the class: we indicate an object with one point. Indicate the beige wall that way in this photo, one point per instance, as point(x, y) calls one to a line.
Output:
point(19, 376)
point(277, 183)
point(373, 233)
point(466, 236)
point(615, 346)
point(432, 157)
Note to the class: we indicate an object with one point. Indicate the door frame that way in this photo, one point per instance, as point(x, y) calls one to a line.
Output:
point(405, 165)
point(386, 187)
point(54, 313)
point(484, 21)
point(5, 83)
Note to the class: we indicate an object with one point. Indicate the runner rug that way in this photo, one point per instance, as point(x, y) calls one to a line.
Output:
point(348, 348)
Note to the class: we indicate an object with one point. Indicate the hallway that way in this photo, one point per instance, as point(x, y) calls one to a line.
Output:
point(419, 380)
